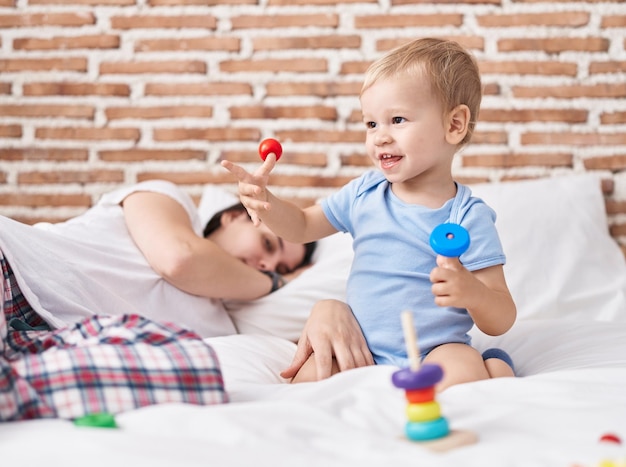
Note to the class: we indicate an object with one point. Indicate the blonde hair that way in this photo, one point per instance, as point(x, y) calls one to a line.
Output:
point(452, 71)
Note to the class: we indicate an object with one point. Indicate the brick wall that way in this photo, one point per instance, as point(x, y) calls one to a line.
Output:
point(99, 93)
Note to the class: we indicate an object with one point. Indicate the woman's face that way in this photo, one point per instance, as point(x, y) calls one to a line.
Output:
point(258, 247)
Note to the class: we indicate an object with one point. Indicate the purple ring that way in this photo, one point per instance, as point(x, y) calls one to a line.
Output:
point(428, 375)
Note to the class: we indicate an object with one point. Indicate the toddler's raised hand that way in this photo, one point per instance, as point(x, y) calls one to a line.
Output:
point(253, 187)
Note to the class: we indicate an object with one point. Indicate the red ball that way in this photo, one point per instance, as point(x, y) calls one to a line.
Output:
point(270, 145)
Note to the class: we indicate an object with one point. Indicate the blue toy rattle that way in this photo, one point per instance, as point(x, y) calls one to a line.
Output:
point(449, 240)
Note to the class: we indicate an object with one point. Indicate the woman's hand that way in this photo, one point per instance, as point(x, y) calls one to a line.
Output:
point(331, 331)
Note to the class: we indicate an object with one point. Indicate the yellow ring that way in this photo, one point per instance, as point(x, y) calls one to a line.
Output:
point(423, 412)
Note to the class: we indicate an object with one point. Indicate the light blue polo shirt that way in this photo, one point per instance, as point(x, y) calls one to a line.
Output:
point(393, 260)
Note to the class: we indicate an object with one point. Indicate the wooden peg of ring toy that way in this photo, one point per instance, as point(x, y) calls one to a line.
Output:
point(425, 424)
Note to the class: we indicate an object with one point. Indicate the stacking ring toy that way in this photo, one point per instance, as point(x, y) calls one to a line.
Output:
point(425, 431)
point(449, 240)
point(270, 145)
point(427, 375)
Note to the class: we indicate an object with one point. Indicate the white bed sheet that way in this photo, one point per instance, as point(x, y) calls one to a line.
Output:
point(571, 391)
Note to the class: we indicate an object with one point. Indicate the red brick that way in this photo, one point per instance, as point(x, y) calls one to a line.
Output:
point(544, 19)
point(84, 2)
point(189, 178)
point(289, 157)
point(220, 44)
point(95, 134)
point(316, 2)
point(149, 113)
point(610, 66)
point(379, 21)
point(574, 139)
point(43, 154)
point(10, 131)
point(358, 160)
point(284, 21)
point(301, 65)
point(68, 176)
point(310, 42)
point(555, 44)
point(179, 3)
point(613, 163)
point(48, 110)
point(455, 2)
point(319, 112)
point(523, 67)
point(317, 181)
point(43, 64)
point(76, 89)
point(139, 67)
point(469, 42)
point(207, 134)
point(518, 160)
point(198, 89)
point(607, 90)
point(490, 137)
point(615, 207)
point(613, 21)
point(350, 67)
point(321, 136)
point(43, 199)
point(5, 88)
point(611, 118)
point(140, 155)
point(81, 42)
point(319, 89)
point(533, 115)
point(164, 22)
point(46, 19)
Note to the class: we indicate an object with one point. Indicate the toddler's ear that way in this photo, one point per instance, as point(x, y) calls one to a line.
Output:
point(458, 124)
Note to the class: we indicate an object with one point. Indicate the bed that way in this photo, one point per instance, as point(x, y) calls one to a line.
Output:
point(566, 407)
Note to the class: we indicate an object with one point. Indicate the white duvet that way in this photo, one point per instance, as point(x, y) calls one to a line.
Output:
point(552, 416)
point(568, 278)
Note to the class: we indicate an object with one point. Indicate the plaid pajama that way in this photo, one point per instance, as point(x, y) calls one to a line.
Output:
point(101, 364)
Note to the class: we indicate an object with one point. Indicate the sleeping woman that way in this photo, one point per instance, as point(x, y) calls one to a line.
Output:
point(142, 250)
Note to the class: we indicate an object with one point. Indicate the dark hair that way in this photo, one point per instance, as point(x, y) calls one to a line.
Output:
point(216, 221)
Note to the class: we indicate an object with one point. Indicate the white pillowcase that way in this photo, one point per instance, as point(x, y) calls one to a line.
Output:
point(561, 260)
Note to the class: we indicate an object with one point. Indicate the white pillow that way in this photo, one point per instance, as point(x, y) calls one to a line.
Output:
point(561, 260)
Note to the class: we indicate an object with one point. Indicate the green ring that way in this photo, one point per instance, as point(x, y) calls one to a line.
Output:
point(99, 420)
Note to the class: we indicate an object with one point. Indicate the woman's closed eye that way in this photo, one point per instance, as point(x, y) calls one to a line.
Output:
point(269, 245)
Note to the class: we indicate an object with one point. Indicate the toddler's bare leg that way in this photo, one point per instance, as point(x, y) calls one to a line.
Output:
point(461, 363)
point(308, 372)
